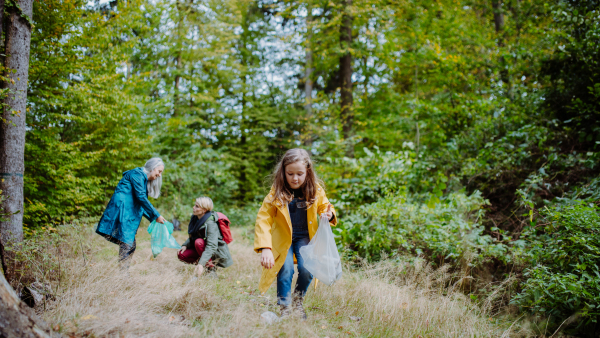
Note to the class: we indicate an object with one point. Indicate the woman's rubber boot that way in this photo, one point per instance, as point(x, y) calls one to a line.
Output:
point(298, 308)
point(286, 310)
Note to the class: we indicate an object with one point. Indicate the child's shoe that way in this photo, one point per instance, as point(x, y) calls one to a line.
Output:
point(298, 308)
point(286, 310)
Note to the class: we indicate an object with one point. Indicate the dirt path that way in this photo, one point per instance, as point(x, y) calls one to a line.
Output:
point(160, 298)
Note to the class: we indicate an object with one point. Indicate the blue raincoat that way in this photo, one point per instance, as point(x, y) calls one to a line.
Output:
point(128, 204)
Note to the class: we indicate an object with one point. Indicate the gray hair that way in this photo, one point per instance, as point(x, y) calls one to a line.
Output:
point(153, 186)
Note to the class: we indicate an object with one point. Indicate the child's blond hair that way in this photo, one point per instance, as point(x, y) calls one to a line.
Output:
point(205, 203)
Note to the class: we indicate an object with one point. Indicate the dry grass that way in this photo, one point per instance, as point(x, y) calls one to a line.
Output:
point(159, 298)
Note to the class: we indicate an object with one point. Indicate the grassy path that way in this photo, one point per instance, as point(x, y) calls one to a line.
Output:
point(159, 298)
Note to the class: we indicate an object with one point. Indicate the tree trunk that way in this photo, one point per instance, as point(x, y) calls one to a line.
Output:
point(2, 19)
point(12, 130)
point(346, 111)
point(17, 319)
point(499, 26)
point(308, 84)
point(180, 15)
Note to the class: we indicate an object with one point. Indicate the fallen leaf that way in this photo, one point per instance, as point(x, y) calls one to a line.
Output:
point(127, 321)
point(337, 313)
point(56, 327)
point(238, 282)
point(172, 318)
point(323, 327)
point(88, 317)
point(340, 327)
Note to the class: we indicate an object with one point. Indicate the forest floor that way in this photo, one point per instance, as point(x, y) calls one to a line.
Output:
point(160, 298)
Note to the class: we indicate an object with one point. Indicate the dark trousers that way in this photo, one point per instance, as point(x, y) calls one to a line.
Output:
point(126, 251)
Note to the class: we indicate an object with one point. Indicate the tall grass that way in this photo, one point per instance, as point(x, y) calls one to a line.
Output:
point(160, 298)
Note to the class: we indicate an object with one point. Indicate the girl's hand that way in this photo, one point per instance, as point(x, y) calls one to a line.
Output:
point(328, 213)
point(199, 270)
point(160, 220)
point(266, 258)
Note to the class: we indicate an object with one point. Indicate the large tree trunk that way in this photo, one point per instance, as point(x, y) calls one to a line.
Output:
point(346, 111)
point(17, 319)
point(308, 84)
point(12, 129)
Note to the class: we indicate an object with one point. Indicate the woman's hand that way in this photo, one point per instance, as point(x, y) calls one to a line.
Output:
point(183, 248)
point(328, 213)
point(266, 258)
point(161, 220)
point(199, 270)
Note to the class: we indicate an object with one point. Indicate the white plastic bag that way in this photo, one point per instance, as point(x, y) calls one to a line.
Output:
point(321, 257)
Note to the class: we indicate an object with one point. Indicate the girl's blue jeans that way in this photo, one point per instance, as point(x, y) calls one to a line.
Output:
point(286, 274)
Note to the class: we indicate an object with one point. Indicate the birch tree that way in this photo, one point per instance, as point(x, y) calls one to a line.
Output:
point(12, 130)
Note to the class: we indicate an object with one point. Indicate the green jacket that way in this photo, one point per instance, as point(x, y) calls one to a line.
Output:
point(216, 248)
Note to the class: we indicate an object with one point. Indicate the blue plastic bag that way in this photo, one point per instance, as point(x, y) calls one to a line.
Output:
point(160, 237)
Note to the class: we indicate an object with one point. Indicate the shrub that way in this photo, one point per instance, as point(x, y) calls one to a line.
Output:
point(442, 232)
point(563, 277)
point(351, 182)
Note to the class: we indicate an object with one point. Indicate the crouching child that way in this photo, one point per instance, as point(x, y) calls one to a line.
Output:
point(206, 245)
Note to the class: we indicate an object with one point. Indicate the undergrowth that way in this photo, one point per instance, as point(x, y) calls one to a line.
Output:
point(159, 297)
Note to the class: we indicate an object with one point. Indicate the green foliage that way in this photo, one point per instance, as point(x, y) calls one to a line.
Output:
point(85, 128)
point(572, 96)
point(394, 203)
point(355, 181)
point(202, 172)
point(563, 279)
point(447, 231)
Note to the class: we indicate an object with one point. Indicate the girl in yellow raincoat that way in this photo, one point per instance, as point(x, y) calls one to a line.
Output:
point(286, 221)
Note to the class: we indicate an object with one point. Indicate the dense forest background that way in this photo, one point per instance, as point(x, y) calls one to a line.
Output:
point(463, 131)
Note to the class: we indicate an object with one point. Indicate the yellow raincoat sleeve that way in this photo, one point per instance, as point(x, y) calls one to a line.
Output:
point(264, 223)
point(322, 207)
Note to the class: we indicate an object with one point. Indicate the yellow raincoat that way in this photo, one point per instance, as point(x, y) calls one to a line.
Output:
point(273, 230)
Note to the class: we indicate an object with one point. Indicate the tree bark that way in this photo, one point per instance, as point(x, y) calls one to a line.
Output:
point(17, 319)
point(2, 2)
point(308, 84)
point(346, 109)
point(12, 130)
point(180, 15)
point(499, 27)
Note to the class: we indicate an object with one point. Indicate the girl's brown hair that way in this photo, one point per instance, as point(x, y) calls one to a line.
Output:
point(283, 192)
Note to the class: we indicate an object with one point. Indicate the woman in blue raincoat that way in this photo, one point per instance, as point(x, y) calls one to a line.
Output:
point(128, 204)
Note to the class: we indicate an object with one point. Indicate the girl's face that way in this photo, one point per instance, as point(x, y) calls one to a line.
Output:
point(198, 211)
point(295, 174)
